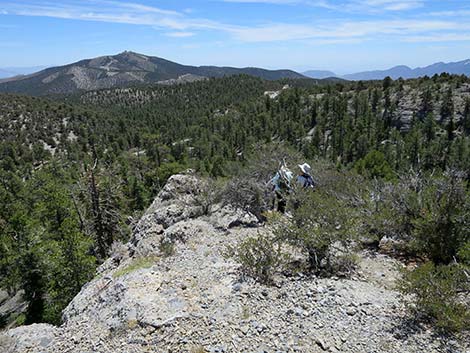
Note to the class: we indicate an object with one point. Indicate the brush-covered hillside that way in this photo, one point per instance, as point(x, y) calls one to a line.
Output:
point(390, 160)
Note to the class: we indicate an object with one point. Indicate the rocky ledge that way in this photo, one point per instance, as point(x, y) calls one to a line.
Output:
point(195, 300)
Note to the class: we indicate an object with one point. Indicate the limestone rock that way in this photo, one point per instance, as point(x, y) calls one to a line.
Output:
point(32, 338)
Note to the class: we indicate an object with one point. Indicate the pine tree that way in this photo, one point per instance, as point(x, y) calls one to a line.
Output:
point(426, 103)
point(447, 105)
point(466, 117)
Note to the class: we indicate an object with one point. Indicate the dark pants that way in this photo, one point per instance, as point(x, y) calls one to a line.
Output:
point(281, 202)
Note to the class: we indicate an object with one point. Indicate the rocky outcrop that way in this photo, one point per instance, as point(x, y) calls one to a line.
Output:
point(196, 301)
point(10, 307)
point(32, 338)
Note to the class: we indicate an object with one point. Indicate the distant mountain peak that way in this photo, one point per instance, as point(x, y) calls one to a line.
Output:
point(319, 74)
point(402, 67)
point(122, 70)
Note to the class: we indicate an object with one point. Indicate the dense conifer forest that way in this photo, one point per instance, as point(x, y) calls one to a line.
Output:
point(77, 171)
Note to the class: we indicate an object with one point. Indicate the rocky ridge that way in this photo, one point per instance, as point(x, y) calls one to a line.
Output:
point(196, 300)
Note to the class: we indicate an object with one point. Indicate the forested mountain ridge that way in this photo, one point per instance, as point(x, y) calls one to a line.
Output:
point(123, 70)
point(239, 117)
point(76, 173)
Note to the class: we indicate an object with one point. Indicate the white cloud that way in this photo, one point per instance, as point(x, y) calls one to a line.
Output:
point(359, 29)
point(393, 4)
point(180, 34)
point(452, 13)
point(446, 37)
point(180, 24)
point(346, 6)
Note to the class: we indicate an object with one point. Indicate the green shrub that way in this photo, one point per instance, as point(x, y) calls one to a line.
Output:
point(437, 293)
point(166, 247)
point(260, 257)
point(441, 228)
point(430, 214)
point(323, 227)
point(393, 209)
point(20, 320)
point(209, 194)
point(374, 165)
point(247, 195)
point(464, 254)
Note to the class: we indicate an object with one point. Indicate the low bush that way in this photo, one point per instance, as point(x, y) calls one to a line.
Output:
point(210, 193)
point(428, 214)
point(248, 195)
point(439, 294)
point(260, 257)
point(323, 226)
point(323, 223)
point(167, 247)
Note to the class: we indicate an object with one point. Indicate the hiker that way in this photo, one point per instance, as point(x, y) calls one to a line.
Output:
point(281, 187)
point(305, 179)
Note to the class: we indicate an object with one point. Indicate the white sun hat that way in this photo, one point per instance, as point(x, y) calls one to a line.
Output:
point(305, 168)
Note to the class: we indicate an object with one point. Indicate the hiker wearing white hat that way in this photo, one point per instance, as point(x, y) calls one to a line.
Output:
point(304, 178)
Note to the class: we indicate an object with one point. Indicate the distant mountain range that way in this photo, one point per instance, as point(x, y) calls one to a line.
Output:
point(458, 68)
point(129, 68)
point(6, 72)
point(123, 70)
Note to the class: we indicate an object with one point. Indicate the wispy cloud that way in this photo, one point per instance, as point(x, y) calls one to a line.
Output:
point(182, 24)
point(346, 6)
point(435, 38)
point(358, 29)
point(392, 5)
point(452, 13)
point(99, 10)
point(180, 34)
point(110, 11)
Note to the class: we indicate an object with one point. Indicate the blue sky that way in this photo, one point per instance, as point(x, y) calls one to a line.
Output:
point(343, 36)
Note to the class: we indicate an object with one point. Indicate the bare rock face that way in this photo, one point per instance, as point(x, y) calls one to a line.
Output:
point(32, 338)
point(147, 296)
point(195, 300)
point(11, 306)
point(175, 203)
